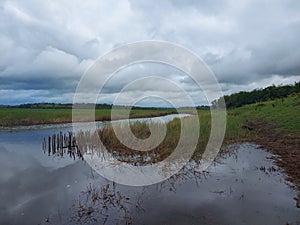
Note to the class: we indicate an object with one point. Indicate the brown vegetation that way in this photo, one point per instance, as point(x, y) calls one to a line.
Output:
point(281, 143)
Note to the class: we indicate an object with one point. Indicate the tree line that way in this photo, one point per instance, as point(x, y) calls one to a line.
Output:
point(258, 95)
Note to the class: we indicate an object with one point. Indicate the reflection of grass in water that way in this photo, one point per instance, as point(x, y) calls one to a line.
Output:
point(100, 205)
point(284, 114)
point(281, 112)
point(234, 133)
point(141, 131)
point(103, 205)
point(88, 142)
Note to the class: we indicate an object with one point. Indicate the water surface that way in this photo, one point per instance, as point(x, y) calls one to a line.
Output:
point(243, 187)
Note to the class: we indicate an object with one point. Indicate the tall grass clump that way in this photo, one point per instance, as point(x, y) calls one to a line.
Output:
point(141, 131)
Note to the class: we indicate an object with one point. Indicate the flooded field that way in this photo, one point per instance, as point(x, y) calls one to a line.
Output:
point(243, 186)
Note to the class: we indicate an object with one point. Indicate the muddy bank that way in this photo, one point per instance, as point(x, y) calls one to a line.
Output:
point(282, 143)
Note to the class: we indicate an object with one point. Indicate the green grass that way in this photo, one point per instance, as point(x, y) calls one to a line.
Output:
point(20, 116)
point(141, 131)
point(283, 113)
point(234, 133)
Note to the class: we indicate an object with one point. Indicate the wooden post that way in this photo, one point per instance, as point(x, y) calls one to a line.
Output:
point(53, 144)
point(64, 143)
point(61, 144)
point(49, 145)
point(70, 141)
point(57, 144)
point(44, 144)
point(60, 141)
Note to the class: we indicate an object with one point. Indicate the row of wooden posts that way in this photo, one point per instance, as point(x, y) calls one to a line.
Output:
point(61, 144)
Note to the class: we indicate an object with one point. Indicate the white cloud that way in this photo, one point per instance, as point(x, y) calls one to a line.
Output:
point(47, 45)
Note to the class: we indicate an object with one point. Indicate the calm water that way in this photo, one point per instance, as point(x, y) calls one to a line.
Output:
point(235, 190)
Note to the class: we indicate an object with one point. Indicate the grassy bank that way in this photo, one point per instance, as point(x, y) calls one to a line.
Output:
point(22, 116)
point(281, 113)
point(234, 133)
point(276, 128)
point(274, 125)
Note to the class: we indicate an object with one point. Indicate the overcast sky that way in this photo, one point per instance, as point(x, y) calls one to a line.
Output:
point(46, 46)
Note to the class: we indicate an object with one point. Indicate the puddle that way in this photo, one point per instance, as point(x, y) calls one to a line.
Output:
point(235, 191)
point(243, 187)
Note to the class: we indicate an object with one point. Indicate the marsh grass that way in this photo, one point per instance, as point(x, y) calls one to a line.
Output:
point(284, 113)
point(234, 133)
point(25, 117)
point(273, 125)
point(141, 130)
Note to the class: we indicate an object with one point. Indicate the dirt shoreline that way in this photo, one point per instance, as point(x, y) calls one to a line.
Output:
point(285, 145)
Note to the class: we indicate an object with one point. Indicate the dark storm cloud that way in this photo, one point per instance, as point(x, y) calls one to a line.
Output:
point(46, 46)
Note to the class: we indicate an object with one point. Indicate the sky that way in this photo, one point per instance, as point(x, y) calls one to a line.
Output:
point(47, 46)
